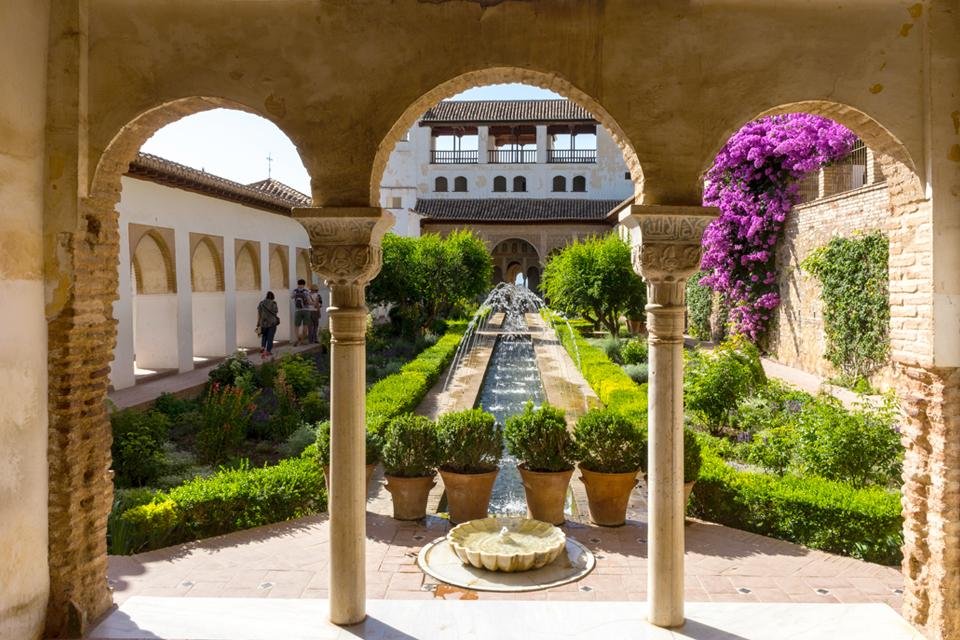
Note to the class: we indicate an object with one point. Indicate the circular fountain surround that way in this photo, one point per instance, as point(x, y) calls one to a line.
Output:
point(507, 544)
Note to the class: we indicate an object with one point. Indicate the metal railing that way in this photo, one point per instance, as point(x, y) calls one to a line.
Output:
point(454, 157)
point(848, 173)
point(571, 156)
point(512, 156)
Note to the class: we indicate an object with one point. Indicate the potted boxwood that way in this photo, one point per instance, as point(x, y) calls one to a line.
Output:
point(613, 450)
point(542, 444)
point(410, 455)
point(323, 452)
point(471, 444)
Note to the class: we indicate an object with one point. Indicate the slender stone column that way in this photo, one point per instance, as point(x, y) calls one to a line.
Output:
point(346, 253)
point(666, 251)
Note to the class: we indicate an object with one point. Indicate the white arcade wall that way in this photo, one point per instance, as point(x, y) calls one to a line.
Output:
point(192, 270)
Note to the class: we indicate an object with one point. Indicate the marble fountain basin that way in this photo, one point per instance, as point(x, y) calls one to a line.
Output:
point(507, 544)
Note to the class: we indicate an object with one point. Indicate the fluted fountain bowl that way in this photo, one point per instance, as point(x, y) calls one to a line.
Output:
point(507, 544)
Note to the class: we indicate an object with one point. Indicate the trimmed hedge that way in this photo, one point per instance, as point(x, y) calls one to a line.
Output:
point(235, 499)
point(818, 513)
point(403, 391)
point(229, 500)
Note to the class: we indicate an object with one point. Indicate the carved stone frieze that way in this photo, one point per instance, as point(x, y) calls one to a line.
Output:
point(666, 240)
point(345, 242)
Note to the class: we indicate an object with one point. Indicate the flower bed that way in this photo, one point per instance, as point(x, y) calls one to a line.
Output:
point(244, 497)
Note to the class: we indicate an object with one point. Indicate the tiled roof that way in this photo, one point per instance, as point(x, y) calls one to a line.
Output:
point(492, 111)
point(505, 210)
point(266, 194)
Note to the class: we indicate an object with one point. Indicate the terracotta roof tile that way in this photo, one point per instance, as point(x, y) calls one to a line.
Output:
point(483, 111)
point(271, 195)
point(513, 209)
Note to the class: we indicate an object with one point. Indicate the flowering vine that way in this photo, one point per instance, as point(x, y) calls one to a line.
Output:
point(754, 183)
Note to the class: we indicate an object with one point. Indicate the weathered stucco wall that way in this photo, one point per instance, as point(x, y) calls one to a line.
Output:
point(798, 337)
point(23, 342)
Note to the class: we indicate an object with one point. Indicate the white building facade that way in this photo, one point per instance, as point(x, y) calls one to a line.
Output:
point(197, 254)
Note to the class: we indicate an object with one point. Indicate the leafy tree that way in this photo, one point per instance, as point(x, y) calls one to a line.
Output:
point(426, 278)
point(594, 279)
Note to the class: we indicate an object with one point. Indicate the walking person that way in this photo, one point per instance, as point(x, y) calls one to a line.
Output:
point(268, 319)
point(315, 303)
point(301, 311)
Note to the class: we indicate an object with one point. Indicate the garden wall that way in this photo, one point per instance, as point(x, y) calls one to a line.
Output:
point(797, 337)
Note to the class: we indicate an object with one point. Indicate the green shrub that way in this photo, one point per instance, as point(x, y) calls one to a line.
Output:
point(610, 346)
point(639, 373)
point(634, 351)
point(471, 441)
point(717, 380)
point(699, 307)
point(410, 447)
point(773, 448)
point(230, 500)
point(692, 456)
point(373, 445)
point(224, 419)
point(772, 405)
point(821, 514)
point(299, 372)
point(610, 443)
point(860, 446)
point(229, 372)
point(299, 440)
point(172, 406)
point(138, 446)
point(285, 415)
point(540, 439)
point(314, 407)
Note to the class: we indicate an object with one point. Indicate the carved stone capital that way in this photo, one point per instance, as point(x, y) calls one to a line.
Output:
point(666, 240)
point(345, 242)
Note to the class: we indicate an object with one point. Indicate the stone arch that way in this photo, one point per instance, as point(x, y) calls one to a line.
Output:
point(84, 286)
point(928, 430)
point(533, 278)
point(248, 268)
point(501, 75)
point(206, 266)
point(153, 265)
point(513, 270)
point(279, 275)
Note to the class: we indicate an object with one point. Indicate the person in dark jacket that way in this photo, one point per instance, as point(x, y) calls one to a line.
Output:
point(268, 320)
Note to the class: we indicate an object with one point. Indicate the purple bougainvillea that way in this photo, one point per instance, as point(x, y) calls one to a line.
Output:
point(754, 182)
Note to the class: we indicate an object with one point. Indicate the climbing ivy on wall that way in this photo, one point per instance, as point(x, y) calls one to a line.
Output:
point(856, 317)
point(699, 306)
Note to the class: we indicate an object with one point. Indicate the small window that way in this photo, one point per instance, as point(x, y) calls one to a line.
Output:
point(396, 202)
point(519, 183)
point(460, 184)
point(499, 184)
point(626, 175)
point(579, 183)
point(559, 183)
point(440, 184)
point(405, 137)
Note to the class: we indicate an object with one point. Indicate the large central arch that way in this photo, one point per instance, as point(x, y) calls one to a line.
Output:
point(502, 75)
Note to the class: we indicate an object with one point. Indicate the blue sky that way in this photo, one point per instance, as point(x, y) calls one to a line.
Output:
point(235, 145)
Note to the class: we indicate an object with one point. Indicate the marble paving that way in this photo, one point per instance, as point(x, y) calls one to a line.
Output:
point(142, 618)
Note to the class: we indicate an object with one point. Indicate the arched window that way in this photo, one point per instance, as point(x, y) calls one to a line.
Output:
point(579, 183)
point(440, 184)
point(499, 184)
point(459, 183)
point(559, 183)
point(519, 183)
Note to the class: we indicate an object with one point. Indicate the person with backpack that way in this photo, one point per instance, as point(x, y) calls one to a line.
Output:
point(301, 311)
point(268, 319)
point(316, 303)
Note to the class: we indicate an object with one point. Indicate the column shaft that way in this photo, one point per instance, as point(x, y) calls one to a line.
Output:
point(347, 490)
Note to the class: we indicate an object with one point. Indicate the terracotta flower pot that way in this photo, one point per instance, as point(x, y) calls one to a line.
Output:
point(687, 490)
point(370, 469)
point(546, 493)
point(468, 494)
point(608, 495)
point(410, 496)
point(636, 326)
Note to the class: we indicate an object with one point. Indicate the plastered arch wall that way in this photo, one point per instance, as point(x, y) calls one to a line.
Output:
point(153, 265)
point(303, 266)
point(502, 75)
point(279, 276)
point(248, 267)
point(206, 266)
